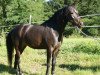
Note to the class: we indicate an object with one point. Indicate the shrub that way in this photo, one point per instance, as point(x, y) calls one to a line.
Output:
point(87, 48)
point(85, 45)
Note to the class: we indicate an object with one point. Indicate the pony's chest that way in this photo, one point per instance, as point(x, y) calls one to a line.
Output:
point(52, 37)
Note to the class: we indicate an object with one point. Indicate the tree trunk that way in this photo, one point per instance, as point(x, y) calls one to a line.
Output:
point(4, 12)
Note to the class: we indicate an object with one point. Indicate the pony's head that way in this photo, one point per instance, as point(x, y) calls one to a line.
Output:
point(72, 15)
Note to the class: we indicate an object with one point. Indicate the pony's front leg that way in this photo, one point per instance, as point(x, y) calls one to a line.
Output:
point(54, 55)
point(49, 54)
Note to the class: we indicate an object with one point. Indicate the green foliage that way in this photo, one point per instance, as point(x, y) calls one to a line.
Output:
point(93, 31)
point(92, 21)
point(19, 11)
point(48, 10)
point(89, 46)
point(88, 6)
point(89, 21)
point(3, 10)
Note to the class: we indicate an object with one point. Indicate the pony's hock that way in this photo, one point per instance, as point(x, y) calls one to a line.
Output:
point(48, 35)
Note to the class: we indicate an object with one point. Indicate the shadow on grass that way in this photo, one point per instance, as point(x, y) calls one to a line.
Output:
point(44, 64)
point(4, 68)
point(73, 67)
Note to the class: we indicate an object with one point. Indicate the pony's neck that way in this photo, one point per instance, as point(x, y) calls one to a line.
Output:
point(57, 24)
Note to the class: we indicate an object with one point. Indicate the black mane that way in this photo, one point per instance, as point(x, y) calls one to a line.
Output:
point(57, 20)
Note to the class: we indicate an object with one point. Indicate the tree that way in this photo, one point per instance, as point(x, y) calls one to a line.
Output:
point(3, 5)
point(51, 6)
point(20, 10)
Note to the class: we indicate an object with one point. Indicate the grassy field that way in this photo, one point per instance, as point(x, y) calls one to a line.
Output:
point(78, 56)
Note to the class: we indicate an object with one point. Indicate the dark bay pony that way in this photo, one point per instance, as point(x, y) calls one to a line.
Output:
point(48, 35)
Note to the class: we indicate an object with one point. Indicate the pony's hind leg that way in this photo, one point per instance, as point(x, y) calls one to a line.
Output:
point(17, 62)
point(19, 50)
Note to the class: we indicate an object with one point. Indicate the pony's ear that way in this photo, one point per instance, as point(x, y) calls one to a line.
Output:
point(75, 2)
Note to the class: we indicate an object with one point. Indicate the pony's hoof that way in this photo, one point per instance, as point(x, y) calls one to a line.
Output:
point(52, 73)
point(19, 73)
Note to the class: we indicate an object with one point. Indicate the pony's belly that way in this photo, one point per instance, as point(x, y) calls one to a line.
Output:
point(37, 47)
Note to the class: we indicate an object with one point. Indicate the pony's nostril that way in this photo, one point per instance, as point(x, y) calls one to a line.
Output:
point(82, 24)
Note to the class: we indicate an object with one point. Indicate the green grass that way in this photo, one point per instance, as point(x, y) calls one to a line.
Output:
point(78, 56)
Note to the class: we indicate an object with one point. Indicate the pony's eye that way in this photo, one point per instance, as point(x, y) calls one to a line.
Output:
point(71, 13)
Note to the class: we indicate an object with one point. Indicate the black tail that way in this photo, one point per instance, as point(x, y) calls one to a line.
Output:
point(10, 49)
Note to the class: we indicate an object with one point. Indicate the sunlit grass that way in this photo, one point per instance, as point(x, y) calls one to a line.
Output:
point(70, 60)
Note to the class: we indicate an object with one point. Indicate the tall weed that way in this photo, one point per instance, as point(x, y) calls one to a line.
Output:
point(2, 39)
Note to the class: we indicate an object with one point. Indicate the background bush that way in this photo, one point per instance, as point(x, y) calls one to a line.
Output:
point(85, 45)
